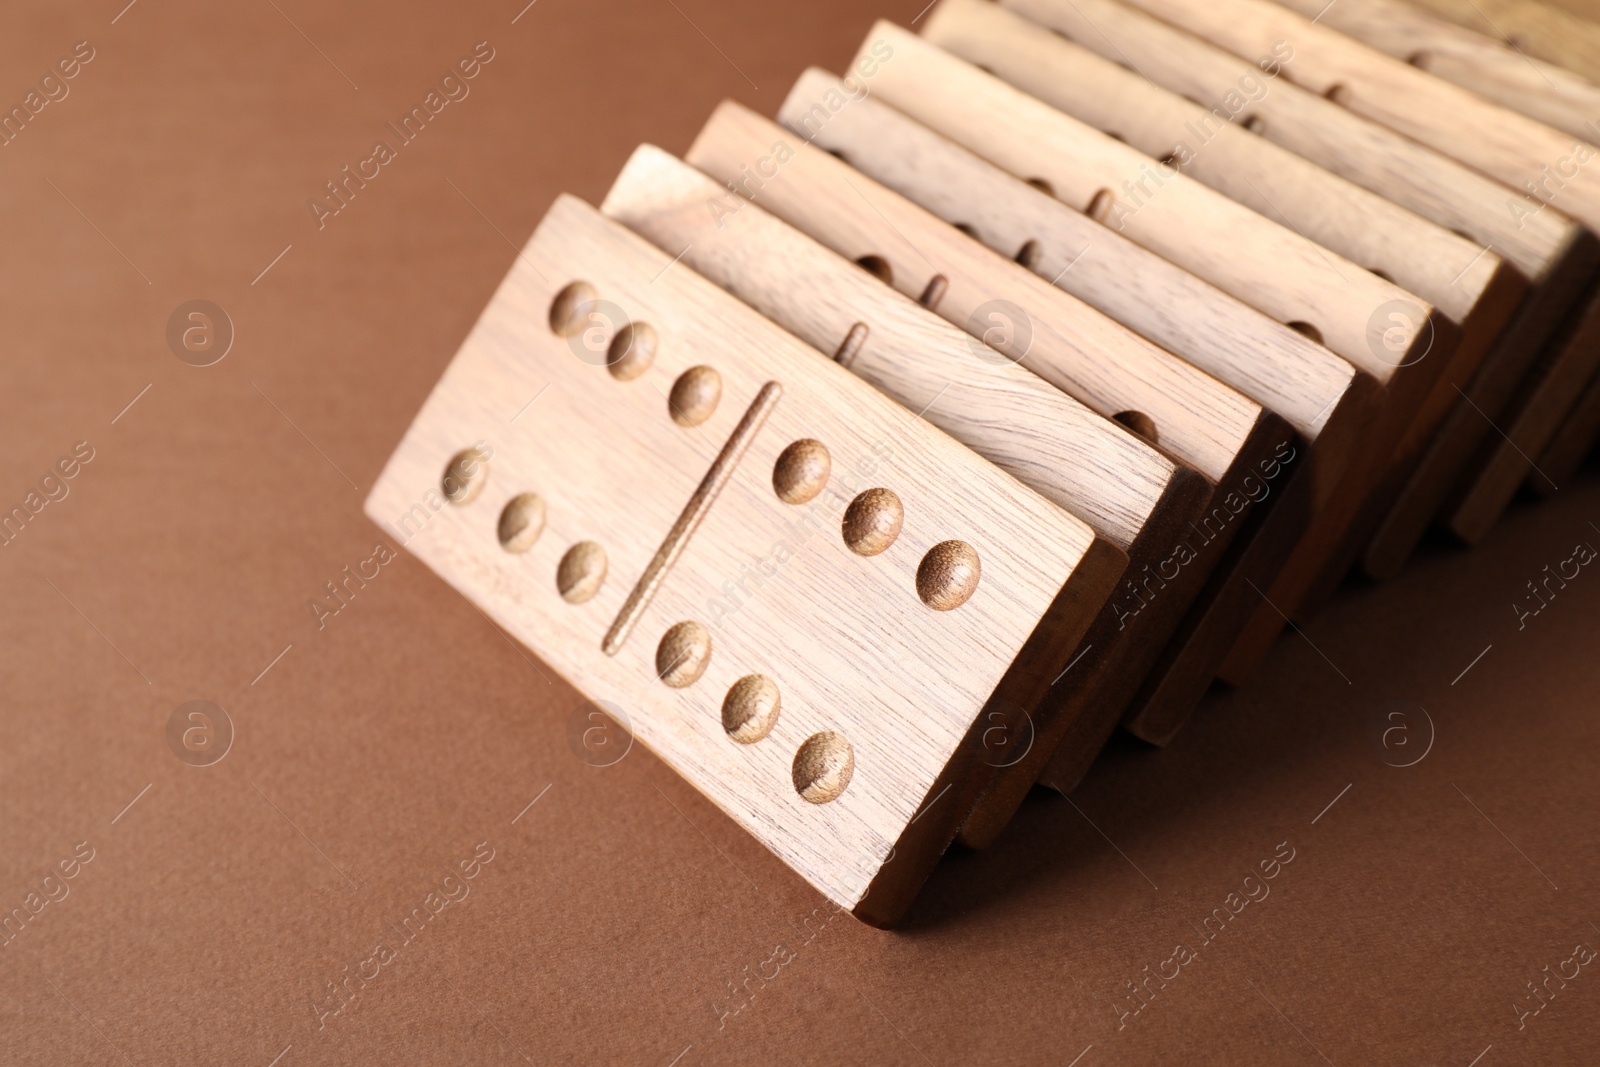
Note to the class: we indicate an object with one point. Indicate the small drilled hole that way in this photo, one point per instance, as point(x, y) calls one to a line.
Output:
point(934, 292)
point(1254, 123)
point(1043, 186)
point(873, 521)
point(1381, 273)
point(1336, 92)
point(1139, 423)
point(1170, 160)
point(750, 710)
point(465, 476)
point(694, 396)
point(823, 766)
point(948, 575)
point(1028, 255)
point(521, 522)
point(850, 347)
point(1307, 330)
point(632, 351)
point(801, 471)
point(1100, 205)
point(582, 572)
point(1420, 60)
point(683, 654)
point(878, 267)
point(966, 228)
point(569, 311)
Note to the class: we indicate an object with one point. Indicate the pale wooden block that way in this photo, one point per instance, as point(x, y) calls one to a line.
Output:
point(1041, 435)
point(1487, 65)
point(1257, 260)
point(1556, 254)
point(799, 282)
point(1314, 390)
point(1267, 265)
point(1494, 139)
point(1469, 282)
point(1541, 30)
point(860, 219)
point(1192, 416)
point(848, 640)
point(1450, 272)
point(1325, 399)
point(1514, 148)
point(1493, 68)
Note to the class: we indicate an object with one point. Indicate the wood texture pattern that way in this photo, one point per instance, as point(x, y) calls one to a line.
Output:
point(1326, 400)
point(1198, 228)
point(863, 220)
point(1556, 254)
point(1494, 67)
point(855, 653)
point(1262, 263)
point(1513, 148)
point(1517, 150)
point(1464, 279)
point(1541, 30)
point(1044, 437)
point(1487, 65)
point(666, 201)
point(1448, 271)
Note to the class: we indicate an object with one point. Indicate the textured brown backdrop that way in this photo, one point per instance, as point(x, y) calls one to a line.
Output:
point(622, 919)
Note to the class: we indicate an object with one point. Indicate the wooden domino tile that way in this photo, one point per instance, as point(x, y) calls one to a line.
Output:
point(670, 527)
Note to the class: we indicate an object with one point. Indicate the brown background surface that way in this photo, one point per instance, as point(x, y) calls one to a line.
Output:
point(621, 911)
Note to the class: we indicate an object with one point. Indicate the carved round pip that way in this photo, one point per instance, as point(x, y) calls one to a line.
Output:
point(632, 351)
point(683, 654)
point(694, 395)
point(948, 575)
point(801, 471)
point(465, 476)
point(581, 572)
point(823, 766)
point(872, 521)
point(569, 311)
point(750, 710)
point(521, 522)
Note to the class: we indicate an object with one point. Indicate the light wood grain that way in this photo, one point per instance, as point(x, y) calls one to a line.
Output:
point(1540, 30)
point(1558, 255)
point(1451, 271)
point(1228, 244)
point(1492, 67)
point(845, 638)
point(1448, 271)
point(797, 280)
point(1286, 373)
point(1550, 164)
point(859, 218)
point(1322, 396)
point(1198, 420)
point(1041, 435)
point(1487, 65)
point(1494, 139)
point(1262, 263)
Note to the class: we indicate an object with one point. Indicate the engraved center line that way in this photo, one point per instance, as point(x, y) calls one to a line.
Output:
point(694, 512)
